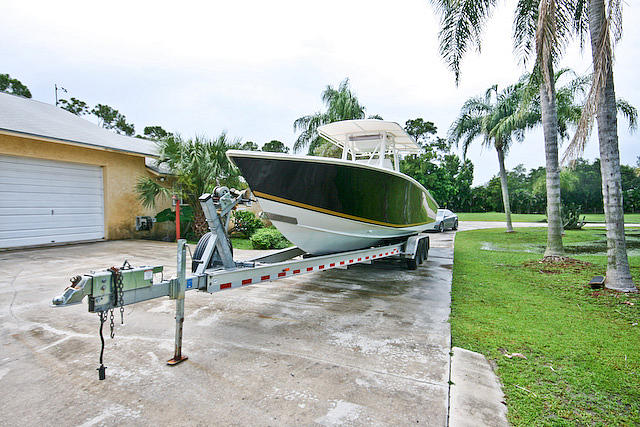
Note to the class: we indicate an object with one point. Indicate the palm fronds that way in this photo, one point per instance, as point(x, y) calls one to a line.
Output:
point(150, 190)
point(629, 112)
point(341, 104)
point(602, 62)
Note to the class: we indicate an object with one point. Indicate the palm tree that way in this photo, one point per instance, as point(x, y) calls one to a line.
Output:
point(540, 28)
point(604, 22)
point(199, 165)
point(492, 118)
point(341, 104)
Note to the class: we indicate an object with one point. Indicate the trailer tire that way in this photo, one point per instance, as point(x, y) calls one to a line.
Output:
point(425, 250)
point(412, 264)
point(199, 251)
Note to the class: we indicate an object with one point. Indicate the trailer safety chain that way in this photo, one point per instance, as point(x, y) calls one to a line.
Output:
point(120, 288)
point(113, 333)
point(116, 278)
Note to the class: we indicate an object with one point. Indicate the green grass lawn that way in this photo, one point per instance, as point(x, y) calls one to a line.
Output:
point(237, 242)
point(241, 243)
point(582, 346)
point(499, 216)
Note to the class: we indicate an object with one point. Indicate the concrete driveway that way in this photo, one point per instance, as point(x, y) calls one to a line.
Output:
point(368, 345)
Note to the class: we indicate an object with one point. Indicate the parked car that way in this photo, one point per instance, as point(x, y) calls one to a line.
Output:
point(445, 220)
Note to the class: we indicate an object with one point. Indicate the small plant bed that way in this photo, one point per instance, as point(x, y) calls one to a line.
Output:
point(269, 238)
point(565, 353)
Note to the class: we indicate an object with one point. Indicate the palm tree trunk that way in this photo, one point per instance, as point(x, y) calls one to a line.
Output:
point(505, 188)
point(200, 224)
point(550, 129)
point(618, 273)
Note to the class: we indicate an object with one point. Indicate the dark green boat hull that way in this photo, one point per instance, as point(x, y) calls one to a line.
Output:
point(346, 189)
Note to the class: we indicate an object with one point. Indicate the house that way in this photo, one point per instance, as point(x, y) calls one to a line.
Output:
point(64, 179)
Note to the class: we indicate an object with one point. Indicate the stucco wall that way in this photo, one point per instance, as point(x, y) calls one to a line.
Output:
point(120, 173)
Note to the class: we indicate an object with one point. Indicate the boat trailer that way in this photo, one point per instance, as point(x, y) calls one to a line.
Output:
point(214, 270)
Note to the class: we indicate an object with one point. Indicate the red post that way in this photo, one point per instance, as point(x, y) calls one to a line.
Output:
point(177, 218)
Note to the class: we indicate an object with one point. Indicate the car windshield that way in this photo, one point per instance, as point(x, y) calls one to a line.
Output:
point(440, 214)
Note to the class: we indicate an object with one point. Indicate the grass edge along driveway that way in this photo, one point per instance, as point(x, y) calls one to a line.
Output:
point(582, 347)
point(633, 218)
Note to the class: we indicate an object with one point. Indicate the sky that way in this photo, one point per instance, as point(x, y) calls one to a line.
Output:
point(250, 68)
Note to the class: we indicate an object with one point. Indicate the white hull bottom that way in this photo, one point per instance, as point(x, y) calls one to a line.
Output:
point(319, 233)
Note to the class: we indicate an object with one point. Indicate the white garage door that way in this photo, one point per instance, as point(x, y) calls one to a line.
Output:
point(45, 201)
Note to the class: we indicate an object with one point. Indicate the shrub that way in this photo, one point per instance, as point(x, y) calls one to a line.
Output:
point(269, 238)
point(246, 223)
point(571, 217)
point(186, 220)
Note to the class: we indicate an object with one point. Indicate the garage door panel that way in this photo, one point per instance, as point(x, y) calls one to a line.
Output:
point(16, 175)
point(61, 210)
point(16, 169)
point(58, 181)
point(58, 237)
point(27, 163)
point(45, 201)
point(55, 234)
point(33, 189)
point(28, 222)
point(48, 200)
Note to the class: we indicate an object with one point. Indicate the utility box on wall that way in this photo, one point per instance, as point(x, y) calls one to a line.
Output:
point(144, 223)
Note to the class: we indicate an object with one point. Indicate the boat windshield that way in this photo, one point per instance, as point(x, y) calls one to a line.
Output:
point(376, 142)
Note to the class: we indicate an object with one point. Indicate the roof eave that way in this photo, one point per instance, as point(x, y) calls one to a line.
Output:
point(76, 143)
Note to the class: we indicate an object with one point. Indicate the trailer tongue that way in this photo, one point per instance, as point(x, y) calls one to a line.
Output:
point(214, 270)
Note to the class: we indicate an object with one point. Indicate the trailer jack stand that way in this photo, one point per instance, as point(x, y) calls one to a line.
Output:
point(179, 295)
point(176, 360)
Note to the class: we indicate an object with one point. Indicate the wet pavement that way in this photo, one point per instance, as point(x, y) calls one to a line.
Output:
point(368, 345)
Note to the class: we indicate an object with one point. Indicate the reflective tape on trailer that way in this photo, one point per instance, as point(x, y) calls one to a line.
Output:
point(269, 272)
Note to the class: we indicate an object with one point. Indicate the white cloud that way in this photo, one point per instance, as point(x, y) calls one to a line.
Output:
point(252, 67)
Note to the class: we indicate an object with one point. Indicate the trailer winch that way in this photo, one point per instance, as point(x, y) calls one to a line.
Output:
point(214, 270)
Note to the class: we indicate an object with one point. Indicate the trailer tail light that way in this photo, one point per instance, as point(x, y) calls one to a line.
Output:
point(246, 282)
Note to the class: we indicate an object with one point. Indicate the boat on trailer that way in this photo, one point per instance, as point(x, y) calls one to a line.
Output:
point(327, 205)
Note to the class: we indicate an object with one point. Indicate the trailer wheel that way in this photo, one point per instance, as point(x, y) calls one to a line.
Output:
point(425, 250)
point(420, 252)
point(199, 251)
point(412, 264)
